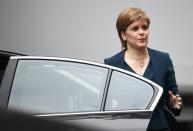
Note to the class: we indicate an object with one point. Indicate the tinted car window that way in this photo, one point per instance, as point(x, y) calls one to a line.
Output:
point(127, 92)
point(42, 86)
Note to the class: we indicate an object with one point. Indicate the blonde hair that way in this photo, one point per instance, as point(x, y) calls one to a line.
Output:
point(127, 17)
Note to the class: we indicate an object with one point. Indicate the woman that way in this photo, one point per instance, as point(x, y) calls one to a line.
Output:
point(133, 30)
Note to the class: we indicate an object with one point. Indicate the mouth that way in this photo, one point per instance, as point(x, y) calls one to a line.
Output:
point(143, 39)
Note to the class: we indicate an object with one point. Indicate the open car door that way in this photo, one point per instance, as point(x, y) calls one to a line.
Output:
point(82, 92)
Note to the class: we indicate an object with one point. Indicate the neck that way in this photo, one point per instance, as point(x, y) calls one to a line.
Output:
point(137, 54)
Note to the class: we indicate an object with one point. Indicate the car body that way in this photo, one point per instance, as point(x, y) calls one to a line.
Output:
point(20, 121)
point(78, 91)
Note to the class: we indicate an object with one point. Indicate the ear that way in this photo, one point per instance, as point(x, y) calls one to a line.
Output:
point(123, 35)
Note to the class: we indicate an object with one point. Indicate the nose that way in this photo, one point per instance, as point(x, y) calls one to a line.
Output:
point(140, 31)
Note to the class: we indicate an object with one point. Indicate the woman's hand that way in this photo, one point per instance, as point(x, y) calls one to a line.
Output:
point(175, 100)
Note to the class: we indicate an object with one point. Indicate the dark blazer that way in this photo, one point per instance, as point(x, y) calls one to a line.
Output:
point(161, 72)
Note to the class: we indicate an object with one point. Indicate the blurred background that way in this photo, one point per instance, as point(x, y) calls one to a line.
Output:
point(86, 30)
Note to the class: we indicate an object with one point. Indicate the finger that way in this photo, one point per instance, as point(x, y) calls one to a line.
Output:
point(179, 99)
point(170, 93)
point(180, 103)
point(177, 96)
point(176, 107)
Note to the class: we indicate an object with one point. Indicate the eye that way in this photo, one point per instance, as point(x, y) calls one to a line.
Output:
point(134, 28)
point(145, 27)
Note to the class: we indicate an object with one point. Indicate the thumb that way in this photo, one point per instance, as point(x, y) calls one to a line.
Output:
point(171, 94)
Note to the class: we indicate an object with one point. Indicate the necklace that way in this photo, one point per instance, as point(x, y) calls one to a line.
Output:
point(141, 63)
point(137, 63)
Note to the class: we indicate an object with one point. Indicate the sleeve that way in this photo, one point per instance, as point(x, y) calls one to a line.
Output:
point(172, 86)
point(107, 61)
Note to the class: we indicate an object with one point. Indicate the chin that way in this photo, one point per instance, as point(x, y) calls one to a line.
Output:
point(142, 45)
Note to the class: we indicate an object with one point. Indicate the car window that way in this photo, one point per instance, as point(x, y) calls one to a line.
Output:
point(42, 86)
point(128, 93)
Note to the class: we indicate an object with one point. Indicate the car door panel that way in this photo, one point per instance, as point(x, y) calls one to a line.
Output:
point(107, 121)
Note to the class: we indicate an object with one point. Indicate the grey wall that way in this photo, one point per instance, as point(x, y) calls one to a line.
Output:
point(85, 29)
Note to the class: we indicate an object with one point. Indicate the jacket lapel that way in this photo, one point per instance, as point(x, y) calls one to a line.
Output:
point(154, 62)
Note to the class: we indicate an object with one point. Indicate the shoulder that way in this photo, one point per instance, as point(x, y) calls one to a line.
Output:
point(115, 58)
point(159, 55)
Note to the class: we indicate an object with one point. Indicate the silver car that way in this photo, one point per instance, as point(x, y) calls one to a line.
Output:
point(82, 92)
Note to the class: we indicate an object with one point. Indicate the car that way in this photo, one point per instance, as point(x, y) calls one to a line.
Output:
point(77, 91)
point(24, 122)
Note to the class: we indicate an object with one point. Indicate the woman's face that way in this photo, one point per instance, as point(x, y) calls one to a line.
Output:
point(136, 34)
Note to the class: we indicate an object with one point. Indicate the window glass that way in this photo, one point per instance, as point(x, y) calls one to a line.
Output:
point(128, 93)
point(42, 86)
